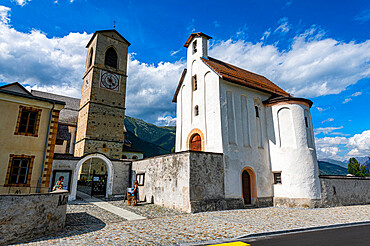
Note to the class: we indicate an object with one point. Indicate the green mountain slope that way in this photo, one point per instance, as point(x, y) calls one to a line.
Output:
point(327, 168)
point(153, 140)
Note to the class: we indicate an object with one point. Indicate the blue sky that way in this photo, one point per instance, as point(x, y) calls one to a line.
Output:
point(314, 49)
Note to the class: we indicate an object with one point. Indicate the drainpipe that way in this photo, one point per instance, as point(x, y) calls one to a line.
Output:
point(45, 149)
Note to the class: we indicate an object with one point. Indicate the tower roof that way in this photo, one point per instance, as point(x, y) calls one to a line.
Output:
point(196, 34)
point(122, 39)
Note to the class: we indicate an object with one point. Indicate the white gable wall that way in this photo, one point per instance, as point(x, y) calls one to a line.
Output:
point(245, 151)
point(206, 97)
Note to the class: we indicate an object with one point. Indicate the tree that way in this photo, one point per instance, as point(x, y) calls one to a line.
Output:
point(355, 168)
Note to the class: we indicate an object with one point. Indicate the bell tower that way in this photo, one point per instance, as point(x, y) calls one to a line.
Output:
point(100, 126)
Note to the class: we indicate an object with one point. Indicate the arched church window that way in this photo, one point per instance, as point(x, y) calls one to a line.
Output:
point(111, 58)
point(196, 110)
point(257, 111)
point(91, 56)
point(124, 156)
point(195, 83)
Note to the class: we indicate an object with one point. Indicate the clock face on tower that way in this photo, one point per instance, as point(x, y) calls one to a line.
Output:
point(109, 81)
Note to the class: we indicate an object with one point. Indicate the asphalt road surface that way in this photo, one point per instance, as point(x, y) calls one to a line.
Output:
point(358, 235)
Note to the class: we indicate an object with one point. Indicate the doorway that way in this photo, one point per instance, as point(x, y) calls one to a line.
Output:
point(196, 143)
point(103, 175)
point(246, 185)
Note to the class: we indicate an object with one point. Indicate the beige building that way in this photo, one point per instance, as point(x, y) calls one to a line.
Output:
point(28, 129)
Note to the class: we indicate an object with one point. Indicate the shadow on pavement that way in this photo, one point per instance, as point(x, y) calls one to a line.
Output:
point(76, 224)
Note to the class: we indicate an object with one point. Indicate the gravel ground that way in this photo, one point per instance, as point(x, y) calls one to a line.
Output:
point(191, 228)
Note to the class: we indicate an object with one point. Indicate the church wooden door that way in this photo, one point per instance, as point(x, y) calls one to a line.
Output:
point(246, 183)
point(196, 143)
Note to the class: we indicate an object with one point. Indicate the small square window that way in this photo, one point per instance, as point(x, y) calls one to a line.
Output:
point(28, 121)
point(277, 178)
point(19, 170)
point(140, 178)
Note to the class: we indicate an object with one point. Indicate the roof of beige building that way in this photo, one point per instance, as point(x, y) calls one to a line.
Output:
point(69, 114)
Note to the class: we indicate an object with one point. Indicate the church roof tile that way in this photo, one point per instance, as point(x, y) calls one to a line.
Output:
point(243, 77)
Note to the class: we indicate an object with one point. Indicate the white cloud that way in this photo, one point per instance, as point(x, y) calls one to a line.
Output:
point(321, 109)
point(356, 94)
point(328, 147)
point(4, 15)
point(326, 130)
point(284, 26)
point(57, 65)
point(327, 152)
point(150, 88)
point(328, 120)
point(175, 52)
point(363, 16)
point(342, 147)
point(266, 34)
point(359, 93)
point(216, 24)
point(21, 2)
point(166, 120)
point(330, 141)
point(359, 144)
point(313, 66)
point(347, 100)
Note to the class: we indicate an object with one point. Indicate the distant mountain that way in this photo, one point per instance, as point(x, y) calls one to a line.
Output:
point(362, 159)
point(336, 162)
point(327, 168)
point(153, 140)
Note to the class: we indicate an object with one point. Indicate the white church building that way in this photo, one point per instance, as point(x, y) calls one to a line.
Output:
point(264, 134)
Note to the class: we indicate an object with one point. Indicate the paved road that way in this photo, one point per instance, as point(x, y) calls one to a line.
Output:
point(358, 235)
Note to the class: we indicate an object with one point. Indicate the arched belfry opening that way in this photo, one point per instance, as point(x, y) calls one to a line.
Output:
point(90, 57)
point(111, 58)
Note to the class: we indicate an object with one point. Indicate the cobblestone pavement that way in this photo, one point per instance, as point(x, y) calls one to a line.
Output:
point(188, 228)
point(145, 209)
point(80, 212)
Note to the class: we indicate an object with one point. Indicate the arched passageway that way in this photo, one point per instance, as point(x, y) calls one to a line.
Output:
point(108, 176)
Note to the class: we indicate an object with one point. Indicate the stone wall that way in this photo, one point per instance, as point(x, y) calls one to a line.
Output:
point(28, 216)
point(187, 181)
point(344, 190)
point(121, 177)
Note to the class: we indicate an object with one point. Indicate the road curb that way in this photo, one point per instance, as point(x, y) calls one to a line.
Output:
point(276, 233)
point(315, 228)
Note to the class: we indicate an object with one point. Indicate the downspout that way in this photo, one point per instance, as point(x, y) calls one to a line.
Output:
point(45, 149)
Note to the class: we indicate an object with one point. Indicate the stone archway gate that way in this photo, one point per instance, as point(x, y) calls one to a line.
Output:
point(110, 173)
point(118, 172)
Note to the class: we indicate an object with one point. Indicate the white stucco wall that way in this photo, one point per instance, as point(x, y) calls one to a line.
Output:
point(240, 154)
point(296, 161)
point(206, 97)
